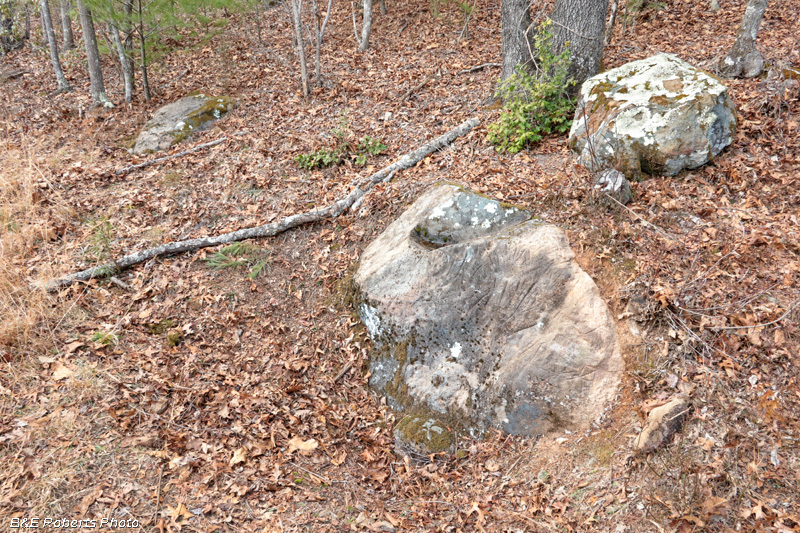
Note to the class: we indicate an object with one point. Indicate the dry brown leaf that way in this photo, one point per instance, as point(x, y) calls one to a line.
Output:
point(239, 456)
point(61, 372)
point(305, 447)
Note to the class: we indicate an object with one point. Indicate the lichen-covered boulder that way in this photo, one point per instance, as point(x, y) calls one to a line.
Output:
point(658, 115)
point(481, 316)
point(175, 122)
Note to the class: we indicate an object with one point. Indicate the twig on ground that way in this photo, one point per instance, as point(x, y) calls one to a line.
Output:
point(270, 230)
point(168, 157)
point(479, 67)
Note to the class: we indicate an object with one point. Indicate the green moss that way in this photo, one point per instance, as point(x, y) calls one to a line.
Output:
point(213, 109)
point(425, 432)
point(161, 327)
point(174, 337)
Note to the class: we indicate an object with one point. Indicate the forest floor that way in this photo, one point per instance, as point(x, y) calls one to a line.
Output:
point(227, 393)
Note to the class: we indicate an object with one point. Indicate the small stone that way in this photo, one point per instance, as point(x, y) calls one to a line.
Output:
point(714, 7)
point(662, 423)
point(613, 183)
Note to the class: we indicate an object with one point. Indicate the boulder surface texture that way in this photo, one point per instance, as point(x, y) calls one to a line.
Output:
point(658, 115)
point(481, 316)
point(175, 122)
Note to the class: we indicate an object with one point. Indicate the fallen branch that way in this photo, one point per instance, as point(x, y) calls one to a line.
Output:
point(274, 228)
point(416, 88)
point(479, 67)
point(168, 157)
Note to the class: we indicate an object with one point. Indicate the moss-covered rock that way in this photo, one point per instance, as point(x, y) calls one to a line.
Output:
point(658, 115)
point(175, 122)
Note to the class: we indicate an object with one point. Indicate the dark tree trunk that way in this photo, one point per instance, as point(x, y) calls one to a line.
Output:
point(515, 18)
point(744, 60)
point(47, 20)
point(68, 39)
point(582, 24)
point(97, 88)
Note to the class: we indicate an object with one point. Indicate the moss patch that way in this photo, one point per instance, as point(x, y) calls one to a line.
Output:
point(424, 435)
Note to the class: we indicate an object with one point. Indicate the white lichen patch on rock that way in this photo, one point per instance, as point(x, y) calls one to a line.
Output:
point(658, 115)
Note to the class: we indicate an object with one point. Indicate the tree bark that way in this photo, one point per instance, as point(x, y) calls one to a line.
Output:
point(47, 20)
point(361, 187)
point(320, 31)
point(67, 38)
point(297, 20)
point(744, 60)
point(580, 26)
point(383, 7)
point(125, 61)
point(143, 51)
point(366, 28)
point(97, 88)
point(515, 17)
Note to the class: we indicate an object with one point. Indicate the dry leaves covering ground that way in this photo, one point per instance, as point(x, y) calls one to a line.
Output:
point(200, 398)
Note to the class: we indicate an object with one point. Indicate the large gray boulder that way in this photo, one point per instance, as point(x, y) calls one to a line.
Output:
point(658, 115)
point(175, 122)
point(482, 317)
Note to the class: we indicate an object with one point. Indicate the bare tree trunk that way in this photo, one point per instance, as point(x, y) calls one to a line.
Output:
point(580, 26)
point(63, 86)
point(320, 31)
point(125, 61)
point(515, 17)
point(68, 39)
point(611, 21)
point(44, 32)
point(143, 50)
point(366, 29)
point(744, 60)
point(97, 88)
point(383, 7)
point(297, 7)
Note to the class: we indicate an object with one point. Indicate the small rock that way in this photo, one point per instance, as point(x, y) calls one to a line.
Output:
point(613, 183)
point(662, 423)
point(714, 7)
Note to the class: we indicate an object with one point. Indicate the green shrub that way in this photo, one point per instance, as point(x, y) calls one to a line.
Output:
point(536, 103)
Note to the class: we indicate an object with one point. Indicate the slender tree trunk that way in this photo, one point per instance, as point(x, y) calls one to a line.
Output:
point(68, 39)
point(297, 7)
point(580, 26)
point(366, 29)
point(611, 21)
point(63, 86)
point(515, 18)
point(27, 22)
point(44, 32)
point(97, 88)
point(124, 61)
point(320, 36)
point(128, 25)
point(744, 60)
point(143, 50)
point(383, 7)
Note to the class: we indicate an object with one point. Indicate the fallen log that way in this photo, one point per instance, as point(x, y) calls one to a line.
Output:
point(269, 230)
point(171, 156)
